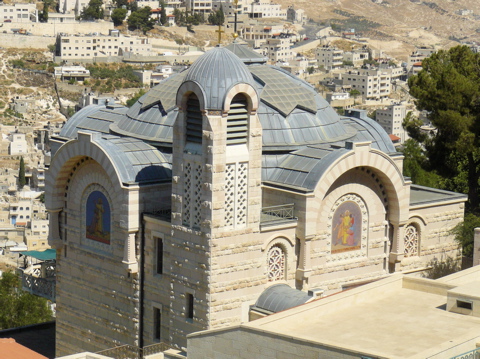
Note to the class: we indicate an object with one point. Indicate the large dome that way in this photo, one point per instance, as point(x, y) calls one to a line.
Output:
point(291, 112)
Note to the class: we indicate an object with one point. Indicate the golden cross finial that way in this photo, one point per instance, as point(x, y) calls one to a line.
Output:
point(220, 32)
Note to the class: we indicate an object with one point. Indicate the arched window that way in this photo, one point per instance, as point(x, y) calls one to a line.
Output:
point(276, 263)
point(194, 120)
point(411, 240)
point(237, 121)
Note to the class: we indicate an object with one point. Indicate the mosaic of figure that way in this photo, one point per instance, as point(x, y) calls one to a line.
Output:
point(346, 234)
point(98, 218)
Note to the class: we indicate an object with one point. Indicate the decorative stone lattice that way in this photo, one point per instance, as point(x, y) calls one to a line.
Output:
point(230, 195)
point(197, 204)
point(276, 264)
point(242, 178)
point(236, 187)
point(187, 194)
point(411, 241)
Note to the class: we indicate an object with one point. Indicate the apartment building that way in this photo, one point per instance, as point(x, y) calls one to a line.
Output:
point(329, 57)
point(373, 84)
point(262, 9)
point(18, 144)
point(201, 6)
point(256, 34)
point(18, 13)
point(418, 55)
point(356, 57)
point(296, 16)
point(67, 73)
point(278, 50)
point(391, 119)
point(92, 46)
point(229, 8)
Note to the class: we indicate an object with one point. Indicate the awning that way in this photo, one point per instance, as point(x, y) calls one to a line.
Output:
point(46, 255)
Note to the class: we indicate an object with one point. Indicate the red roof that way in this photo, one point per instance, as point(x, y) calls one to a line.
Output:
point(394, 138)
point(10, 349)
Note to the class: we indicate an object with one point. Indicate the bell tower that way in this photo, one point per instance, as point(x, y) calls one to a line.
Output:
point(216, 187)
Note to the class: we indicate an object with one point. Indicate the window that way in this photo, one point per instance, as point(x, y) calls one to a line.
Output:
point(237, 121)
point(159, 256)
point(276, 264)
point(157, 323)
point(411, 241)
point(189, 306)
point(194, 120)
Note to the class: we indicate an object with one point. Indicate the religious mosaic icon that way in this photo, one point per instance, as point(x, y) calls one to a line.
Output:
point(347, 228)
point(98, 218)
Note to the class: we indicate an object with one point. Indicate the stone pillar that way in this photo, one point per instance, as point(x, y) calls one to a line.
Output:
point(129, 258)
point(476, 247)
point(304, 265)
point(397, 251)
point(54, 238)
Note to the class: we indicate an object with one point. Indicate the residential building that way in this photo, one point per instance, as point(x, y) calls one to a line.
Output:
point(391, 119)
point(418, 55)
point(201, 6)
point(22, 104)
point(18, 12)
point(278, 50)
point(296, 16)
point(261, 9)
point(356, 57)
point(178, 214)
point(257, 34)
point(18, 144)
point(94, 46)
point(329, 57)
point(373, 84)
point(67, 73)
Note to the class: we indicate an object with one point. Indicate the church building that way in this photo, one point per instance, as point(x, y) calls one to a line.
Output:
point(222, 182)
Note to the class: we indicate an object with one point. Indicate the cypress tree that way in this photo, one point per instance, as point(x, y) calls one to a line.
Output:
point(21, 174)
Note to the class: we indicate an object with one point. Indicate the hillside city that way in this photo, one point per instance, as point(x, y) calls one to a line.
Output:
point(60, 59)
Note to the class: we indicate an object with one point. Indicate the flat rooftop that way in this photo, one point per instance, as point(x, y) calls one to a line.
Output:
point(398, 317)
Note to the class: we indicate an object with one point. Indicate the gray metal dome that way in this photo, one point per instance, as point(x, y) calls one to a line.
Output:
point(216, 72)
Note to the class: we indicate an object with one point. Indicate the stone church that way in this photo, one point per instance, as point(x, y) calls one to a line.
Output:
point(226, 180)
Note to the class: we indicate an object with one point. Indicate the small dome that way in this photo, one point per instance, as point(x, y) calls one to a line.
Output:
point(216, 73)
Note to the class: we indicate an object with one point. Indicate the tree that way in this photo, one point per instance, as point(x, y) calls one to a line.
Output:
point(140, 19)
point(163, 14)
point(21, 174)
point(464, 233)
point(118, 15)
point(216, 17)
point(135, 98)
point(46, 7)
point(448, 87)
point(93, 11)
point(19, 308)
point(354, 93)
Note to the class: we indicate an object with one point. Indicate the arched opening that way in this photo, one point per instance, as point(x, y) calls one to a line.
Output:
point(194, 120)
point(276, 260)
point(411, 239)
point(237, 121)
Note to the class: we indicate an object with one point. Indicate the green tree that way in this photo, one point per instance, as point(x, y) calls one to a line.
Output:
point(163, 14)
point(118, 15)
point(44, 12)
point(21, 174)
point(216, 17)
point(141, 20)
point(93, 11)
point(354, 93)
point(135, 98)
point(19, 308)
point(464, 233)
point(448, 87)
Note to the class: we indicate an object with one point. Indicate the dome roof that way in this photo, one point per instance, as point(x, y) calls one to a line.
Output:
point(216, 73)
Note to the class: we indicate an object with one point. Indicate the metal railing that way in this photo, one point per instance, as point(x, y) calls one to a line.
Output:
point(132, 352)
point(39, 279)
point(473, 354)
point(276, 214)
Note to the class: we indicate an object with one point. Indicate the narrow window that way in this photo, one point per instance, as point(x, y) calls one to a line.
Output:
point(159, 253)
point(189, 312)
point(237, 121)
point(194, 120)
point(464, 304)
point(157, 323)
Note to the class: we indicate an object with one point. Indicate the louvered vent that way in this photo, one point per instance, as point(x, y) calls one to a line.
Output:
point(194, 120)
point(237, 121)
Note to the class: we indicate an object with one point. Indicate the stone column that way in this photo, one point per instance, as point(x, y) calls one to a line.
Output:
point(54, 238)
point(304, 266)
point(397, 251)
point(129, 258)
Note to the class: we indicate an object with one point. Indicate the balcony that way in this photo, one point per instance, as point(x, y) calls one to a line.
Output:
point(275, 215)
point(132, 352)
point(39, 279)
